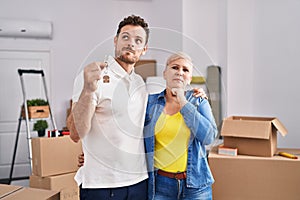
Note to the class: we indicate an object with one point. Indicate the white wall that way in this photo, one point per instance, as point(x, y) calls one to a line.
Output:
point(204, 28)
point(240, 57)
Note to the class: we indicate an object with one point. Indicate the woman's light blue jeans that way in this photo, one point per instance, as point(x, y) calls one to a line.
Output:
point(173, 189)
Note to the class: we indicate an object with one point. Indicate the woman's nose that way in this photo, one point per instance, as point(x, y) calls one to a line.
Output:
point(179, 72)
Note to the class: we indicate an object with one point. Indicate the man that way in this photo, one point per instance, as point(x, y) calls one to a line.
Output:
point(108, 116)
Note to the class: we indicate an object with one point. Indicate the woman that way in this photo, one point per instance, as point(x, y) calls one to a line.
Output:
point(177, 128)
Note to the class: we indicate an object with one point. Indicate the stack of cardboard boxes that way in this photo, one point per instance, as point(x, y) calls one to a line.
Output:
point(257, 171)
point(54, 164)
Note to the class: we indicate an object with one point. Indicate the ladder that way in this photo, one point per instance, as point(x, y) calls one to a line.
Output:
point(22, 72)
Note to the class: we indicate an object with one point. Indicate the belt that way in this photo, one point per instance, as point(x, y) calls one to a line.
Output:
point(178, 175)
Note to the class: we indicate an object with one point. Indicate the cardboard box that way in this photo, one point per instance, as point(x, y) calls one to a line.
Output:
point(251, 177)
point(145, 68)
point(53, 156)
point(252, 135)
point(11, 192)
point(5, 190)
point(64, 183)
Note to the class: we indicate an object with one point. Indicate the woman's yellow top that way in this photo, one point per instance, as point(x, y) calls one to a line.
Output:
point(171, 143)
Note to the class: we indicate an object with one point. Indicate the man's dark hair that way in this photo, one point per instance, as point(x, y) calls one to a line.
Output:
point(136, 21)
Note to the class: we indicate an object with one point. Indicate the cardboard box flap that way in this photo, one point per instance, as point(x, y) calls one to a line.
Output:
point(279, 126)
point(247, 127)
point(33, 194)
point(6, 190)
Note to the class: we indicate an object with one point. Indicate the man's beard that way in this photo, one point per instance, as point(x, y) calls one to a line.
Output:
point(126, 59)
point(122, 56)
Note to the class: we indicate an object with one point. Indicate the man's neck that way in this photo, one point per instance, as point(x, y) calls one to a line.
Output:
point(127, 67)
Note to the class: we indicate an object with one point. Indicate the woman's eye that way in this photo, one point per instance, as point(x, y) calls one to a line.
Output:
point(186, 70)
point(175, 67)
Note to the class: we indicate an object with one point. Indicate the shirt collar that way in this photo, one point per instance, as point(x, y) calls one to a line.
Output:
point(162, 94)
point(117, 69)
point(189, 93)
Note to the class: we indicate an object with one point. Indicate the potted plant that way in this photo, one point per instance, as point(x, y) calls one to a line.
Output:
point(37, 108)
point(40, 126)
point(37, 102)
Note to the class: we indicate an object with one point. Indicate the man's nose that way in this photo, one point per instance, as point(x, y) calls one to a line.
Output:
point(130, 43)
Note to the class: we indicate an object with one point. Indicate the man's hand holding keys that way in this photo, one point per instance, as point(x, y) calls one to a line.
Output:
point(92, 74)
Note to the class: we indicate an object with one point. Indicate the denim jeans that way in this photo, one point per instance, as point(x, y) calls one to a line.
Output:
point(173, 189)
point(132, 192)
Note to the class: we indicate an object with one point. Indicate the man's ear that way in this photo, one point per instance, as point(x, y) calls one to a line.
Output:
point(115, 40)
point(145, 49)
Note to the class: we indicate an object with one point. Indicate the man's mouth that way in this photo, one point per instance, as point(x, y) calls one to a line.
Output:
point(129, 50)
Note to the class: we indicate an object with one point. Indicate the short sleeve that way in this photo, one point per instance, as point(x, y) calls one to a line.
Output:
point(77, 88)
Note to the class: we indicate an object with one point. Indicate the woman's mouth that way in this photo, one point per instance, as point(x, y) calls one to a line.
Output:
point(178, 80)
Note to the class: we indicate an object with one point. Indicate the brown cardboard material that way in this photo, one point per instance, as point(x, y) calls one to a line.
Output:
point(252, 135)
point(10, 192)
point(33, 194)
point(5, 190)
point(145, 68)
point(251, 177)
point(53, 156)
point(63, 183)
point(71, 193)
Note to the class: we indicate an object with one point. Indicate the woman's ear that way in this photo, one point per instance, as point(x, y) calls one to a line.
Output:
point(190, 79)
point(164, 74)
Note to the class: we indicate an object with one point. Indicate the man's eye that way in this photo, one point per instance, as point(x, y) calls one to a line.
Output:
point(139, 41)
point(186, 70)
point(175, 67)
point(125, 37)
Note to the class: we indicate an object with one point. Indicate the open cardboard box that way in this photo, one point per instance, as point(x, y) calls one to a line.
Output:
point(252, 135)
point(12, 192)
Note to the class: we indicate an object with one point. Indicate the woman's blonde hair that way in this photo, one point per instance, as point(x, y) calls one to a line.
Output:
point(179, 55)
